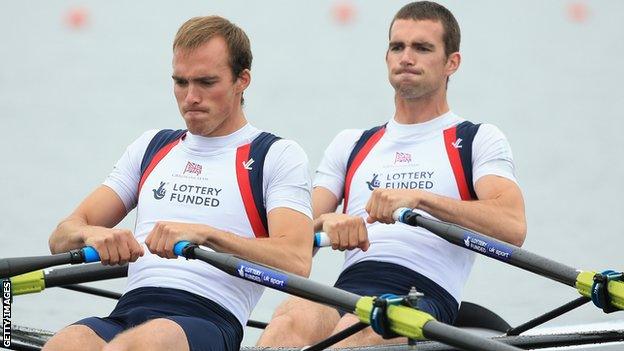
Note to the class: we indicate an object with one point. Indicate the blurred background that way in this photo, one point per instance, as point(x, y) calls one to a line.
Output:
point(79, 80)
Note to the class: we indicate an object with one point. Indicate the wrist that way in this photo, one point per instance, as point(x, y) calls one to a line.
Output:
point(318, 223)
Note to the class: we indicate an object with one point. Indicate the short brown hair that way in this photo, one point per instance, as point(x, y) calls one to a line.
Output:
point(428, 10)
point(199, 30)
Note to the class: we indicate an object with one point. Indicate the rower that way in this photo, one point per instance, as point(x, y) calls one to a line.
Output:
point(221, 183)
point(424, 157)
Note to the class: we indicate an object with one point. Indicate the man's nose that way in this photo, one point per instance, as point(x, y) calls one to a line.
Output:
point(193, 95)
point(407, 58)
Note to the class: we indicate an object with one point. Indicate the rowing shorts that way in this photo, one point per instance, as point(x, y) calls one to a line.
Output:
point(374, 278)
point(207, 325)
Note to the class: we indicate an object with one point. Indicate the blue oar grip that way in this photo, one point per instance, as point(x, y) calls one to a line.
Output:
point(321, 239)
point(399, 214)
point(179, 246)
point(90, 254)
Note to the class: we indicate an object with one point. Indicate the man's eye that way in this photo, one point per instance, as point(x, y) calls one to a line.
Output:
point(181, 83)
point(207, 83)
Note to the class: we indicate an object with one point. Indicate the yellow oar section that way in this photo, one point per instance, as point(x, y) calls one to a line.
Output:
point(28, 283)
point(404, 320)
point(585, 281)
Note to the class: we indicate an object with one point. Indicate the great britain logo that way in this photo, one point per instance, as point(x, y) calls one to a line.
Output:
point(402, 157)
point(192, 167)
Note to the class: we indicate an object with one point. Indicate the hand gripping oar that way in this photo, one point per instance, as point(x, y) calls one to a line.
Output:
point(606, 293)
point(403, 320)
point(18, 265)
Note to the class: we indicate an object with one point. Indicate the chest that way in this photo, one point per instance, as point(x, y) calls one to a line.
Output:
point(192, 188)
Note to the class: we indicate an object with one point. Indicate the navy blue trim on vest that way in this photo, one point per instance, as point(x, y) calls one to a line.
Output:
point(160, 140)
point(467, 131)
point(360, 144)
point(257, 151)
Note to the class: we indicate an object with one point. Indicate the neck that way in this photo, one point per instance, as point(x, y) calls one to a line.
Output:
point(420, 110)
point(229, 125)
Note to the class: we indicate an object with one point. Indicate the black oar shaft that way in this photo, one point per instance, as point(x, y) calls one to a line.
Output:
point(93, 291)
point(292, 284)
point(496, 249)
point(341, 335)
point(548, 316)
point(328, 295)
point(19, 265)
point(435, 330)
point(83, 274)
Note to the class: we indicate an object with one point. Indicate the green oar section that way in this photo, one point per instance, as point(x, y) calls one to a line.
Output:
point(585, 281)
point(513, 255)
point(403, 320)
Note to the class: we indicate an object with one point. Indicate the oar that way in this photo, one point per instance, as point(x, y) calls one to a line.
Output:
point(36, 281)
point(67, 277)
point(499, 250)
point(18, 265)
point(403, 320)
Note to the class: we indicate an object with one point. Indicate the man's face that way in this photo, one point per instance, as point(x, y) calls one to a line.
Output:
point(206, 93)
point(417, 64)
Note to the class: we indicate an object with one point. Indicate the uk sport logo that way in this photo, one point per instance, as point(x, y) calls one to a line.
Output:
point(192, 167)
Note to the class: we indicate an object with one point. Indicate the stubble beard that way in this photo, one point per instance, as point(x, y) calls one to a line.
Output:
point(410, 90)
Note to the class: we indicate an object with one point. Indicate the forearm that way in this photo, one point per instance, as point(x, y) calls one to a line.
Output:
point(499, 218)
point(275, 251)
point(68, 235)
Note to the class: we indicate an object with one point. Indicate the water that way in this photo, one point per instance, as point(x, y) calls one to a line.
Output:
point(71, 100)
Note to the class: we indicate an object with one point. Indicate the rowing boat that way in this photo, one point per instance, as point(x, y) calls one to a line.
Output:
point(597, 336)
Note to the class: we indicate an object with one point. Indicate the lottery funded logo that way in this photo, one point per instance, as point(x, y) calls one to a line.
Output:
point(262, 275)
point(160, 192)
point(374, 183)
point(402, 180)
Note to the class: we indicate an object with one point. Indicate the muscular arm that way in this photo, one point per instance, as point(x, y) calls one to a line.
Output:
point(289, 232)
point(90, 225)
point(323, 201)
point(499, 212)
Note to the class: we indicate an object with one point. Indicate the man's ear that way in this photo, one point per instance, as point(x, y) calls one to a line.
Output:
point(452, 63)
point(243, 80)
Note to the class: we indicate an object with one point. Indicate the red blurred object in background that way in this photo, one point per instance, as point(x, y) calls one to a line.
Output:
point(578, 12)
point(76, 18)
point(343, 12)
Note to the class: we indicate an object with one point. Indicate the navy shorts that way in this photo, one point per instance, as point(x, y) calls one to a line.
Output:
point(207, 325)
point(374, 278)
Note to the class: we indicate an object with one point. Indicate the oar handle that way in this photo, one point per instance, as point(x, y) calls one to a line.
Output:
point(403, 215)
point(321, 239)
point(179, 247)
point(89, 255)
point(19, 265)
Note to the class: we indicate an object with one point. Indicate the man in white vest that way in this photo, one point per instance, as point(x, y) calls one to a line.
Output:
point(424, 157)
point(221, 183)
